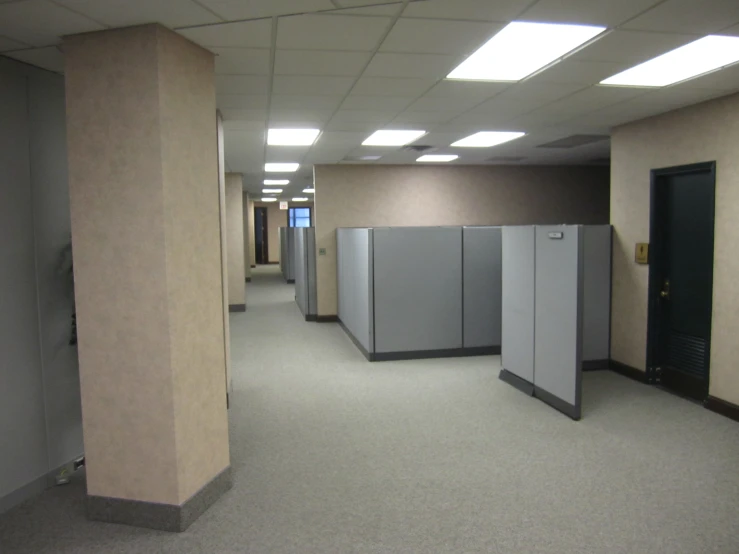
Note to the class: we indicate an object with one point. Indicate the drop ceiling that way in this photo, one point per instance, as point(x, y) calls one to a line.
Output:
point(350, 67)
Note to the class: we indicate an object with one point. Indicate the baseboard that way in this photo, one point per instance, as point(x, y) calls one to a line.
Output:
point(237, 307)
point(253, 266)
point(627, 371)
point(596, 365)
point(327, 319)
point(311, 317)
point(290, 281)
point(557, 403)
point(358, 344)
point(272, 263)
point(442, 353)
point(35, 487)
point(516, 382)
point(163, 517)
point(722, 407)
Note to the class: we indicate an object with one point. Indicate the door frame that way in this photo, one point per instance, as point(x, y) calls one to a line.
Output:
point(265, 232)
point(655, 263)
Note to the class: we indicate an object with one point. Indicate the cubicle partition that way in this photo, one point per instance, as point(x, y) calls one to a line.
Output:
point(305, 271)
point(556, 309)
point(287, 253)
point(420, 292)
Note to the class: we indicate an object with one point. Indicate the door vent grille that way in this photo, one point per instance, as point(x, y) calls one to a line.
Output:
point(687, 354)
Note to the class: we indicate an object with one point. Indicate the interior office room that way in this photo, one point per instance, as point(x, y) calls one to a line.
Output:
point(369, 276)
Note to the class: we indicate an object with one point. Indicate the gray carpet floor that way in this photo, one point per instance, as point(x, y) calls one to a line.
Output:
point(332, 454)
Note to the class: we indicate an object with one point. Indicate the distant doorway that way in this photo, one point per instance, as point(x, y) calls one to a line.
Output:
point(681, 278)
point(261, 241)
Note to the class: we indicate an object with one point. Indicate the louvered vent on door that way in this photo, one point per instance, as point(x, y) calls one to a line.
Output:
point(688, 354)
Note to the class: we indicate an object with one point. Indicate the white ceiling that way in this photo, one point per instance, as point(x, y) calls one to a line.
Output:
point(350, 67)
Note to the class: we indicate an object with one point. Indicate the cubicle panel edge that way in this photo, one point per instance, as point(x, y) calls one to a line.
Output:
point(597, 252)
point(354, 279)
point(481, 287)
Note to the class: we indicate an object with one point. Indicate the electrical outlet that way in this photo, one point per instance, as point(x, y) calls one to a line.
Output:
point(78, 463)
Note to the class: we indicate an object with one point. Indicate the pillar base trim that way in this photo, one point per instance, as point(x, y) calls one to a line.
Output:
point(163, 517)
point(237, 307)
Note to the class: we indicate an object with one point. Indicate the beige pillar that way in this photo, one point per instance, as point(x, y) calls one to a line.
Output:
point(247, 223)
point(235, 242)
point(143, 178)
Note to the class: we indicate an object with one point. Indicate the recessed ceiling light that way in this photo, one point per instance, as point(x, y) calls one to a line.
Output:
point(299, 199)
point(271, 191)
point(521, 48)
point(276, 181)
point(369, 158)
point(486, 139)
point(694, 59)
point(281, 167)
point(309, 191)
point(437, 158)
point(292, 137)
point(392, 138)
point(269, 199)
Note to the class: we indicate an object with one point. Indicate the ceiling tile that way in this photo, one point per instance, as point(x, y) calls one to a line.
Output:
point(305, 102)
point(252, 9)
point(7, 44)
point(244, 115)
point(341, 139)
point(428, 36)
point(299, 118)
point(377, 103)
point(594, 12)
point(306, 84)
point(246, 34)
point(733, 31)
point(377, 117)
point(330, 32)
point(255, 128)
point(122, 13)
point(41, 23)
point(50, 58)
point(411, 65)
point(579, 72)
point(286, 153)
point(242, 84)
point(466, 90)
point(385, 86)
point(443, 104)
point(242, 61)
point(243, 101)
point(383, 10)
point(631, 46)
point(688, 16)
point(423, 118)
point(677, 96)
point(472, 10)
point(725, 79)
point(319, 62)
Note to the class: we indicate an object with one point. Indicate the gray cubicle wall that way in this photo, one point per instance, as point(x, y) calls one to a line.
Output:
point(517, 332)
point(354, 278)
point(287, 253)
point(481, 286)
point(305, 272)
point(417, 291)
point(596, 345)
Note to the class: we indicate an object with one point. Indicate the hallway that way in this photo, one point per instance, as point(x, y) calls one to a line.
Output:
point(332, 454)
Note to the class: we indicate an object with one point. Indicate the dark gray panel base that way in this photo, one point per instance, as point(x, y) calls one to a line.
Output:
point(327, 319)
point(237, 307)
point(515, 381)
point(163, 517)
point(311, 317)
point(426, 354)
point(593, 365)
point(557, 403)
point(290, 281)
point(356, 342)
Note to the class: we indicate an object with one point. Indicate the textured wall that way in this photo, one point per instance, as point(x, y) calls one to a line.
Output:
point(702, 133)
point(367, 196)
point(235, 238)
point(143, 168)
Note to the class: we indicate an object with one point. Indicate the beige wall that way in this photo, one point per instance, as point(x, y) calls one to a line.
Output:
point(141, 120)
point(365, 196)
point(235, 238)
point(702, 133)
point(247, 215)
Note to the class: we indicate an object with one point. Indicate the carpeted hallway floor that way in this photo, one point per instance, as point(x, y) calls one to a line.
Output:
point(332, 454)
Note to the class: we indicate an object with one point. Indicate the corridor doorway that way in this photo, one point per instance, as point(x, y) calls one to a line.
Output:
point(261, 241)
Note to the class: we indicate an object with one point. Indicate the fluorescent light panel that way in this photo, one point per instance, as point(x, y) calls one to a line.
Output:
point(309, 191)
point(486, 139)
point(277, 181)
point(392, 138)
point(300, 199)
point(269, 199)
point(437, 158)
point(522, 48)
point(271, 191)
point(281, 167)
point(689, 61)
point(292, 137)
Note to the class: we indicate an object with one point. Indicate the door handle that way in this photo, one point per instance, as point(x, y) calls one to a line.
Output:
point(665, 292)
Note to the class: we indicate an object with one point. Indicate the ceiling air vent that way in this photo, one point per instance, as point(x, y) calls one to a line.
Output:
point(506, 159)
point(418, 148)
point(360, 158)
point(574, 141)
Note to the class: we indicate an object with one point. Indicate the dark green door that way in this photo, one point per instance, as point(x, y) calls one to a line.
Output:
point(681, 277)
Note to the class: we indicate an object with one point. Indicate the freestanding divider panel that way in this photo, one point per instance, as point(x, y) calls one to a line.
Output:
point(305, 271)
point(517, 326)
point(481, 288)
point(417, 291)
point(558, 317)
point(354, 278)
point(287, 253)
